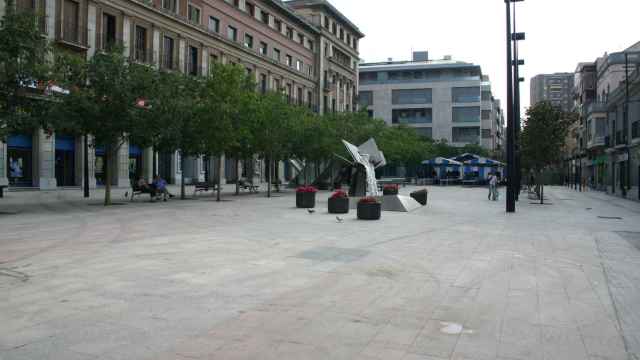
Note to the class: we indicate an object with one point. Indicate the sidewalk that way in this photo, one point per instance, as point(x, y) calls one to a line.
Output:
point(255, 278)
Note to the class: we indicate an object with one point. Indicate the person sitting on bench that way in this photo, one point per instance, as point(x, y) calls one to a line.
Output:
point(160, 186)
point(145, 188)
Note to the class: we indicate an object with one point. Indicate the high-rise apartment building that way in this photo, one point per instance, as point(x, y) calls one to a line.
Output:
point(306, 49)
point(556, 88)
point(441, 99)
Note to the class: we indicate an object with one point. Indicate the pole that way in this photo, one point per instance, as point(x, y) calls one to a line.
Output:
point(626, 117)
point(511, 204)
point(516, 110)
point(86, 166)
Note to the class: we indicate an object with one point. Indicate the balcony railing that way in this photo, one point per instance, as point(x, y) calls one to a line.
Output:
point(72, 33)
point(108, 41)
point(142, 56)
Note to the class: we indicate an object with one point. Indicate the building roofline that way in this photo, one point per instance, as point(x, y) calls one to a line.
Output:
point(417, 65)
point(327, 5)
point(293, 15)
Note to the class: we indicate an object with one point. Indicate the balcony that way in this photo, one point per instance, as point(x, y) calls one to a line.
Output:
point(596, 107)
point(72, 33)
point(142, 56)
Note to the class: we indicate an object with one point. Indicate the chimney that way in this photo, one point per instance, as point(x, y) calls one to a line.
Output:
point(420, 56)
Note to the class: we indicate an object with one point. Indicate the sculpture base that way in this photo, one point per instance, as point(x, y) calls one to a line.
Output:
point(398, 203)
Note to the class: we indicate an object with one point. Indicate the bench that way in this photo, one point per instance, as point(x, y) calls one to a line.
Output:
point(136, 191)
point(245, 185)
point(2, 187)
point(204, 187)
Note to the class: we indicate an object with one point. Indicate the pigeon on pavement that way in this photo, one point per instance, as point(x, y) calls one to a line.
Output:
point(311, 211)
point(339, 219)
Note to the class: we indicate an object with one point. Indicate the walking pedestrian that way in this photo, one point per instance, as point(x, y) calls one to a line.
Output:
point(493, 185)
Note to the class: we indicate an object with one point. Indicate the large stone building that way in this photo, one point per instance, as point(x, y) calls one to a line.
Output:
point(441, 99)
point(306, 49)
point(556, 88)
point(607, 99)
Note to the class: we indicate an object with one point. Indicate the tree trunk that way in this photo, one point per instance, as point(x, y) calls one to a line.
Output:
point(237, 176)
point(182, 187)
point(107, 175)
point(85, 171)
point(541, 188)
point(269, 176)
point(219, 177)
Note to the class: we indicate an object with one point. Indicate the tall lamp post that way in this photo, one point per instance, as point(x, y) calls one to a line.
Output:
point(511, 123)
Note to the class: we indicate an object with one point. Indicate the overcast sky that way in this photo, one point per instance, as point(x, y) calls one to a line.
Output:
point(560, 33)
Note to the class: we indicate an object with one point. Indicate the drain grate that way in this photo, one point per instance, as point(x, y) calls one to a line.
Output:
point(335, 254)
point(610, 217)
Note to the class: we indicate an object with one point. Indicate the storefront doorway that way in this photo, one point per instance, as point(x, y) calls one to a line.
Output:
point(19, 160)
point(65, 160)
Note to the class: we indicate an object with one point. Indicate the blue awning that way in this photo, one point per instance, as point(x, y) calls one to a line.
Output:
point(65, 143)
point(20, 141)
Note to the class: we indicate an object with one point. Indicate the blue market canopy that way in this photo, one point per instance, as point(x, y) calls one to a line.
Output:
point(475, 160)
point(440, 161)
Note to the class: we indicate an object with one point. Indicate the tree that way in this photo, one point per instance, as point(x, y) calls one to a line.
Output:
point(104, 106)
point(23, 69)
point(543, 137)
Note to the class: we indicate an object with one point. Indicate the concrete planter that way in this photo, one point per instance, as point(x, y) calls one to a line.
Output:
point(420, 196)
point(369, 211)
point(339, 205)
point(305, 200)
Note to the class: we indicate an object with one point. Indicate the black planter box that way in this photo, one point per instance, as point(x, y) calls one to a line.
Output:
point(339, 205)
point(420, 196)
point(390, 191)
point(306, 200)
point(369, 211)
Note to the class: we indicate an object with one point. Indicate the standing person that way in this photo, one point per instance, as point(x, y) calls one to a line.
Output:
point(493, 180)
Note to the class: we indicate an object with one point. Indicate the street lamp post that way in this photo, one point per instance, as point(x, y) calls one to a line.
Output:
point(511, 128)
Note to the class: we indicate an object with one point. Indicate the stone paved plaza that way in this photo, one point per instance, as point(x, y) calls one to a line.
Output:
point(255, 278)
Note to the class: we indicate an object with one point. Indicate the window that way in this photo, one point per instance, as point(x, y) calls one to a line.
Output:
point(411, 96)
point(167, 54)
point(141, 44)
point(349, 39)
point(310, 45)
point(310, 70)
point(486, 96)
point(213, 60)
point(334, 28)
point(425, 132)
point(251, 9)
point(486, 133)
point(290, 33)
point(289, 61)
point(465, 94)
point(263, 83)
point(309, 99)
point(341, 34)
point(214, 24)
point(289, 92)
point(236, 3)
point(276, 55)
point(264, 48)
point(169, 5)
point(264, 17)
point(365, 98)
point(194, 14)
point(232, 33)
point(299, 65)
point(278, 25)
point(411, 116)
point(466, 114)
point(109, 30)
point(465, 134)
point(71, 31)
point(248, 41)
point(299, 96)
point(301, 39)
point(486, 114)
point(326, 22)
point(193, 61)
point(276, 85)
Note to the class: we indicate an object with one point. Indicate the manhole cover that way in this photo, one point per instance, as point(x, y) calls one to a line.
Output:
point(610, 217)
point(335, 254)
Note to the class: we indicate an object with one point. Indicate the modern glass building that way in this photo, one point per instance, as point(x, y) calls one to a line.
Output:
point(441, 99)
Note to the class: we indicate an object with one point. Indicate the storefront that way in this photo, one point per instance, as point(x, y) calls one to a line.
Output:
point(100, 166)
point(65, 160)
point(135, 163)
point(20, 160)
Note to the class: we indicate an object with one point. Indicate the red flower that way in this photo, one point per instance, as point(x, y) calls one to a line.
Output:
point(368, 200)
point(306, 189)
point(339, 194)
